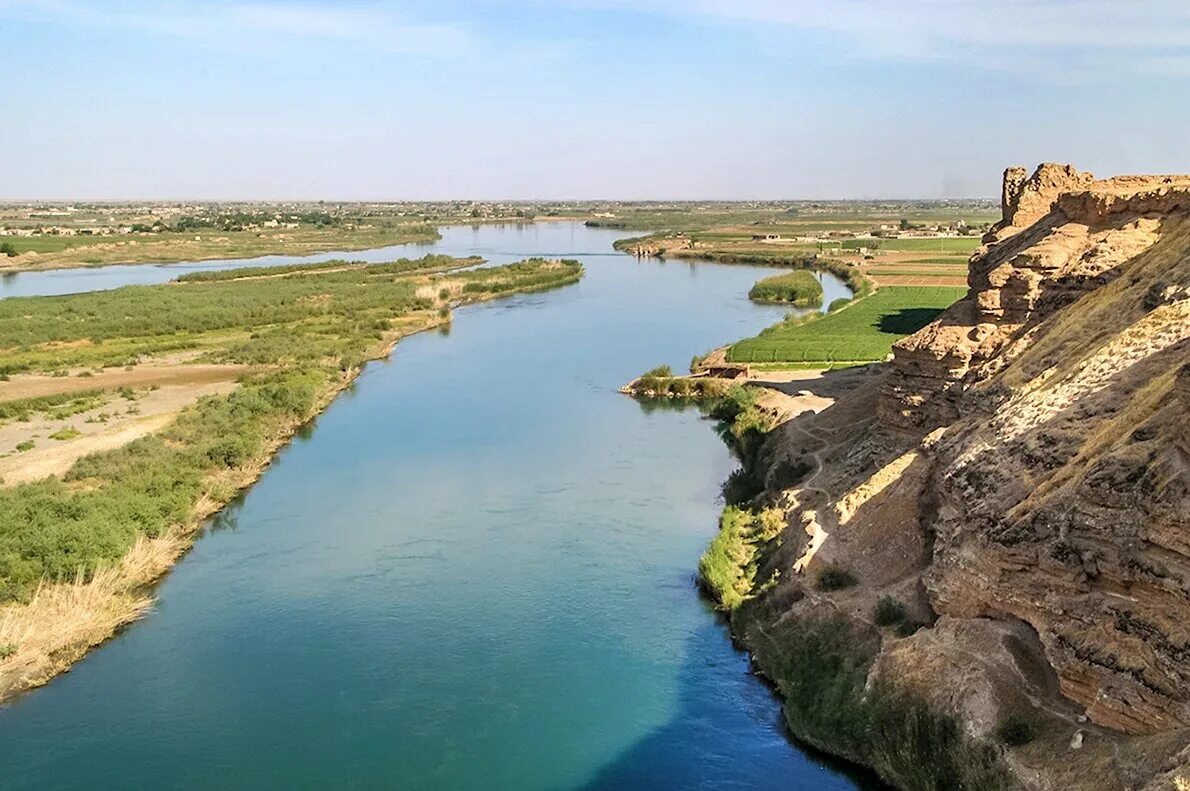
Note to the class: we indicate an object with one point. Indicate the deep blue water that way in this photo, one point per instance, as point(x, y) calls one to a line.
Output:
point(475, 570)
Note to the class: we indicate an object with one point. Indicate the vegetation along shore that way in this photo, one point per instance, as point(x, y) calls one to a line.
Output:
point(919, 552)
point(175, 397)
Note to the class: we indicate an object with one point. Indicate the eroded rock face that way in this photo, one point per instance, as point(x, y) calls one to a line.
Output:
point(1064, 500)
point(1024, 201)
point(1049, 412)
point(1075, 243)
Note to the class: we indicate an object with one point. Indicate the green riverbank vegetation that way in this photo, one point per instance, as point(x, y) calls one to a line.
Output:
point(798, 289)
point(302, 338)
point(660, 382)
point(821, 667)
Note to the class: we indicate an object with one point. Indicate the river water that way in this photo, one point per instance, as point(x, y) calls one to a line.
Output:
point(474, 570)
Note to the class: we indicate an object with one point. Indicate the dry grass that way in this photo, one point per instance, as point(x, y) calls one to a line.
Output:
point(63, 620)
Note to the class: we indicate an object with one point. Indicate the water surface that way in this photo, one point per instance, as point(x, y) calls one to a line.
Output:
point(499, 244)
point(475, 570)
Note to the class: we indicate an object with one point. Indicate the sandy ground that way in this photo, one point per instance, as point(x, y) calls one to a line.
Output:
point(810, 391)
point(111, 425)
point(163, 374)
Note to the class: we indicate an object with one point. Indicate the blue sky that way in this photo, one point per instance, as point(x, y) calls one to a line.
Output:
point(583, 98)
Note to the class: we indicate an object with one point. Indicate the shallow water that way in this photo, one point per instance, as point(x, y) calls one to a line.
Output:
point(475, 570)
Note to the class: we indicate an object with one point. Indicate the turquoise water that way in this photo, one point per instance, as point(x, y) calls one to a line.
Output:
point(474, 570)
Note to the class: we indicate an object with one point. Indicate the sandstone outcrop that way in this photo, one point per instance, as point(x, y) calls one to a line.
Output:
point(1025, 489)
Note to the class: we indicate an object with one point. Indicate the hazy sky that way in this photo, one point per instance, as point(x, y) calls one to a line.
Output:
point(583, 98)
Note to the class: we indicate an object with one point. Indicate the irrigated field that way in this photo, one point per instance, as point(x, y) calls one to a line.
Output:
point(862, 332)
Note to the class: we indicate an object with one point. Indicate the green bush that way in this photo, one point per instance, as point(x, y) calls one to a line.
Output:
point(735, 402)
point(721, 568)
point(838, 304)
point(832, 578)
point(888, 611)
point(56, 407)
point(741, 486)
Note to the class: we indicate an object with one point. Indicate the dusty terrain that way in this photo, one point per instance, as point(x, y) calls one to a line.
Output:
point(171, 371)
point(1018, 479)
point(111, 425)
point(133, 402)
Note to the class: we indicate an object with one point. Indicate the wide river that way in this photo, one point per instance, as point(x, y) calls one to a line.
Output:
point(474, 571)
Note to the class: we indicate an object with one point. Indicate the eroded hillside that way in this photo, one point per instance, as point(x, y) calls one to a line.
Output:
point(1007, 544)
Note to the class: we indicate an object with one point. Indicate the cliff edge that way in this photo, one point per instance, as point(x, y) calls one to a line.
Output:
point(1006, 544)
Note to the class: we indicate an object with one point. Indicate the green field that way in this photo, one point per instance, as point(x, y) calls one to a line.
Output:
point(965, 244)
point(862, 332)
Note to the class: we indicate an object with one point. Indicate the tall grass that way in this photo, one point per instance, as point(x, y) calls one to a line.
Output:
point(799, 288)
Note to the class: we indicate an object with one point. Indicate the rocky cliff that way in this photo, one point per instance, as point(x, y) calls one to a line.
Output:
point(1021, 503)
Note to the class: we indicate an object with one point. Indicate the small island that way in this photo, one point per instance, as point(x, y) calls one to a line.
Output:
point(799, 288)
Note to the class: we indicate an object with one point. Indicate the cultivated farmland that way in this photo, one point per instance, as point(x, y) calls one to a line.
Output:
point(862, 332)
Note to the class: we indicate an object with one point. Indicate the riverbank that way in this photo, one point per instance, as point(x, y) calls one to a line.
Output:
point(213, 245)
point(903, 565)
point(62, 621)
point(171, 248)
point(213, 451)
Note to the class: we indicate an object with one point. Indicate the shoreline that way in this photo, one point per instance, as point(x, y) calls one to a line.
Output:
point(120, 595)
point(64, 621)
point(54, 266)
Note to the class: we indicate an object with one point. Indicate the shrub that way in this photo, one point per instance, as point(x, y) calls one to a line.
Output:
point(721, 567)
point(734, 402)
point(741, 486)
point(661, 371)
point(7, 249)
point(7, 650)
point(832, 578)
point(888, 611)
point(68, 432)
point(24, 446)
point(838, 304)
point(1014, 731)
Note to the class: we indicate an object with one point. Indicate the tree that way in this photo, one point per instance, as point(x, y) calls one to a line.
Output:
point(8, 249)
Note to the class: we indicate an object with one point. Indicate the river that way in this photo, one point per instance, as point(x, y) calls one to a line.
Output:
point(474, 570)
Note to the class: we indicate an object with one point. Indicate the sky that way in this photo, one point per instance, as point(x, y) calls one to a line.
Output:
point(582, 99)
